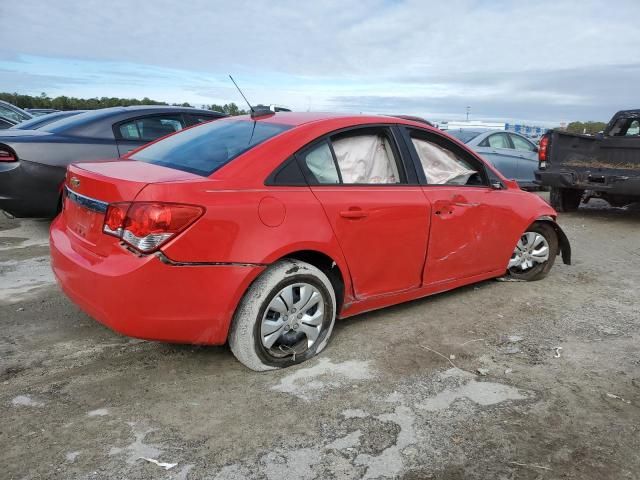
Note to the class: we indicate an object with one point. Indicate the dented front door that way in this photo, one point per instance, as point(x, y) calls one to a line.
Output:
point(465, 237)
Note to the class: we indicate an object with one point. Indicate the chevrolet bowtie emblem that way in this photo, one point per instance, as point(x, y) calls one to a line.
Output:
point(75, 183)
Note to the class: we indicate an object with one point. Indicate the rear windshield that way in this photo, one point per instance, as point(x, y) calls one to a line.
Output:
point(46, 119)
point(464, 136)
point(205, 148)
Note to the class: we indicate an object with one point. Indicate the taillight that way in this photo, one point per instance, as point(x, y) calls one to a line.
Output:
point(7, 155)
point(542, 152)
point(114, 219)
point(146, 226)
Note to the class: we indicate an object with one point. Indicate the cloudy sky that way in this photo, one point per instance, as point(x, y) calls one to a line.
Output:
point(537, 60)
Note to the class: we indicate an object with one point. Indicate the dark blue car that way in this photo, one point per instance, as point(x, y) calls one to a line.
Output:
point(33, 162)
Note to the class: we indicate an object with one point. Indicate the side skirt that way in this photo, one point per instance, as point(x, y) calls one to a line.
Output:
point(381, 301)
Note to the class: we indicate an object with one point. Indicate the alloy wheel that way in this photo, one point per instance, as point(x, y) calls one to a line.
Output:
point(532, 249)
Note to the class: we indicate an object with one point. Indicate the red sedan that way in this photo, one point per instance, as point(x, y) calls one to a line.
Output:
point(261, 231)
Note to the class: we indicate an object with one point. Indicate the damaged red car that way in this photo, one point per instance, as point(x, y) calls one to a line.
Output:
point(260, 231)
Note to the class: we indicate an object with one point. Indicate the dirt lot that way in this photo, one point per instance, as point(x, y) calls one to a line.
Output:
point(560, 398)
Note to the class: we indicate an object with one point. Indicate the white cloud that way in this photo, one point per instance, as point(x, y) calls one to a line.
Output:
point(316, 53)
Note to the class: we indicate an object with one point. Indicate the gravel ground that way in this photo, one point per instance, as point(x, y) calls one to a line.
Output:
point(397, 393)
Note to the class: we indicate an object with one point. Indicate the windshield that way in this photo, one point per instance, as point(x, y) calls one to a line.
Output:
point(204, 149)
point(13, 114)
point(74, 121)
point(465, 136)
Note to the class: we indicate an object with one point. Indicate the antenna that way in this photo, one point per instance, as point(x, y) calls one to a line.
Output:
point(245, 98)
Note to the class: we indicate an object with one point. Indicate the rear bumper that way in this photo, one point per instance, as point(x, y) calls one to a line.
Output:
point(616, 182)
point(145, 298)
point(29, 189)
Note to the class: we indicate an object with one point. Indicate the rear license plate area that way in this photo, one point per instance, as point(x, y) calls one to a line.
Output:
point(83, 222)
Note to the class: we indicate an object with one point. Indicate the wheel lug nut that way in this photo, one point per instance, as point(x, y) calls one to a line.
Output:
point(299, 315)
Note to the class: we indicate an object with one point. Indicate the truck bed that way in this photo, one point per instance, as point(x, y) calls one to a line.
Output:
point(584, 151)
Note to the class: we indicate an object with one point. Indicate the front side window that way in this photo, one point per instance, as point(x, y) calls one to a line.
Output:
point(12, 114)
point(634, 129)
point(497, 140)
point(150, 128)
point(522, 144)
point(441, 166)
point(205, 148)
point(446, 163)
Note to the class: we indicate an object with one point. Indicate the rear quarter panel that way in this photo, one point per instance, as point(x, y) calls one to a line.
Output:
point(247, 225)
point(61, 151)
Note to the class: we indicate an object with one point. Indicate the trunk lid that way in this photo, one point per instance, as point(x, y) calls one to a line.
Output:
point(91, 187)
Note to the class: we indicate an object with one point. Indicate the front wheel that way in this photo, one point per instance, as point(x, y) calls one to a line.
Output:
point(534, 254)
point(284, 318)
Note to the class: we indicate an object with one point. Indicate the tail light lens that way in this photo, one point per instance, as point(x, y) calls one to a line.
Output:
point(542, 152)
point(7, 155)
point(146, 226)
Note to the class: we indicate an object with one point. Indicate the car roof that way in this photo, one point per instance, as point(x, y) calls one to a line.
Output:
point(295, 119)
point(97, 123)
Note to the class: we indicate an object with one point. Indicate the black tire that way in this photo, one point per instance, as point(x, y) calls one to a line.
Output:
point(541, 270)
point(245, 334)
point(565, 199)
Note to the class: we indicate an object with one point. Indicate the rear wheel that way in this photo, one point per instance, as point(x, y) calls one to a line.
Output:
point(534, 254)
point(565, 199)
point(285, 317)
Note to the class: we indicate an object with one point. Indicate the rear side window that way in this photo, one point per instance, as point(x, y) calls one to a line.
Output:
point(365, 156)
point(319, 162)
point(150, 128)
point(205, 148)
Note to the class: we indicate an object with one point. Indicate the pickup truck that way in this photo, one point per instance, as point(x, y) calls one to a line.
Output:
point(581, 167)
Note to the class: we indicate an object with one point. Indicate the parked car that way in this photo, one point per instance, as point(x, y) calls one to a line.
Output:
point(38, 112)
point(42, 120)
point(606, 165)
point(6, 123)
point(261, 231)
point(33, 162)
point(512, 154)
point(12, 113)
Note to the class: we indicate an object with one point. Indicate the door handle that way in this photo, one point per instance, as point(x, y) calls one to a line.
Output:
point(354, 213)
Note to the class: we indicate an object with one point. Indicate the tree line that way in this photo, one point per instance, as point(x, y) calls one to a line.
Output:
point(73, 103)
point(586, 127)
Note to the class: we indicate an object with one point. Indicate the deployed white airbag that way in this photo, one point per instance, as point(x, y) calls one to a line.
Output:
point(441, 166)
point(365, 159)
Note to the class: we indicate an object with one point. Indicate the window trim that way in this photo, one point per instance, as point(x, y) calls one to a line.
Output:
point(119, 138)
point(443, 141)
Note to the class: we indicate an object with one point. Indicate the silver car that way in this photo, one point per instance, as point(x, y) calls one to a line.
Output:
point(515, 156)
